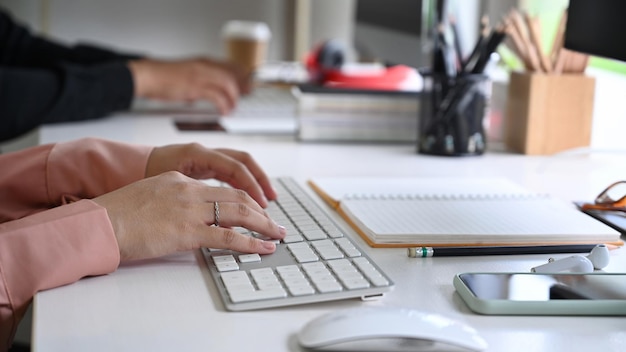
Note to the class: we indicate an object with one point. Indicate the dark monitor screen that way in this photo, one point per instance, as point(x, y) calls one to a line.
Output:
point(400, 15)
point(392, 31)
point(597, 27)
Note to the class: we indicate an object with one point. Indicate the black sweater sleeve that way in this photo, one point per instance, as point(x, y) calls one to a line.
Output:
point(45, 82)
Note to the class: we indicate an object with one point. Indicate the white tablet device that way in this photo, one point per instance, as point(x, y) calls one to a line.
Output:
point(543, 294)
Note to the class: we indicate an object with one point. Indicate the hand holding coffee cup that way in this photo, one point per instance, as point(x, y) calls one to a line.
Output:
point(246, 43)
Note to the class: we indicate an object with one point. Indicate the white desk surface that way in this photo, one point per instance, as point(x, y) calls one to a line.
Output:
point(171, 304)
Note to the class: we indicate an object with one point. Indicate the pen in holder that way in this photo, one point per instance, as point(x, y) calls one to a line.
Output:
point(452, 111)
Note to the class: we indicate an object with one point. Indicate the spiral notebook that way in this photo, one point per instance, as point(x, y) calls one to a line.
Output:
point(404, 212)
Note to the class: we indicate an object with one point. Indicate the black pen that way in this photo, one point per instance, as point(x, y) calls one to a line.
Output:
point(425, 252)
point(443, 63)
point(479, 47)
point(495, 38)
point(457, 41)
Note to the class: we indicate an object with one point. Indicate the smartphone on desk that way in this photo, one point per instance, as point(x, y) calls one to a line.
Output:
point(543, 293)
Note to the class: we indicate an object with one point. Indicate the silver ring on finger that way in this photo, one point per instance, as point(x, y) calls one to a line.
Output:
point(217, 214)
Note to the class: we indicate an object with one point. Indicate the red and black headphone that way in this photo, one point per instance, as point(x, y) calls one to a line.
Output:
point(324, 65)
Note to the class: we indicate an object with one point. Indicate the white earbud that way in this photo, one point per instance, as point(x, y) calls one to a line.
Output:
point(598, 258)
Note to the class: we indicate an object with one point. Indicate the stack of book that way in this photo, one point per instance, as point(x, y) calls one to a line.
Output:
point(356, 115)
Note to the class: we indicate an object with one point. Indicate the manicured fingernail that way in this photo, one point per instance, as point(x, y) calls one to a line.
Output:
point(282, 230)
point(269, 245)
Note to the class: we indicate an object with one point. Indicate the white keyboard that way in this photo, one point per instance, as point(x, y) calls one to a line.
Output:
point(264, 101)
point(315, 262)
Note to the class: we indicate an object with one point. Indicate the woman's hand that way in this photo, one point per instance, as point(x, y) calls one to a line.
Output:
point(236, 168)
point(172, 212)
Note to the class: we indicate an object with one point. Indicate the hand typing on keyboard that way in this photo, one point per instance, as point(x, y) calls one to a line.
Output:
point(127, 202)
point(188, 80)
point(233, 167)
point(173, 212)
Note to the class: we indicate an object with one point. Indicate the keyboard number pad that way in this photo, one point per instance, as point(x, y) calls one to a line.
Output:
point(225, 263)
point(306, 279)
point(321, 277)
point(348, 274)
point(325, 260)
point(294, 279)
point(241, 289)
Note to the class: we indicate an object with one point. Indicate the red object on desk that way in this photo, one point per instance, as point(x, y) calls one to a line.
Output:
point(325, 67)
point(387, 79)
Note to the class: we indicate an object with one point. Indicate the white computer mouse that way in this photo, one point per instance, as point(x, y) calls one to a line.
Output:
point(388, 329)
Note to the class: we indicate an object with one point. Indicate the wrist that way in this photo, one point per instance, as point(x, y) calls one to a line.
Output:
point(140, 70)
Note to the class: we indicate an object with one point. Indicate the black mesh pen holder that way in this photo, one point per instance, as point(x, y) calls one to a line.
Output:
point(452, 115)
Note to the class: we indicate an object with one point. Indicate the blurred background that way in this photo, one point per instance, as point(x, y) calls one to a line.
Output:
point(390, 30)
point(166, 28)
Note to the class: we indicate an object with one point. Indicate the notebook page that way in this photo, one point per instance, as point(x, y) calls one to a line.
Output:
point(462, 221)
point(341, 188)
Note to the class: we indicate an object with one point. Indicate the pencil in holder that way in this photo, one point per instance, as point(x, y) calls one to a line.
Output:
point(452, 114)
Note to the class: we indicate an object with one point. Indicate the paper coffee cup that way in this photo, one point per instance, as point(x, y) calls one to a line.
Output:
point(246, 43)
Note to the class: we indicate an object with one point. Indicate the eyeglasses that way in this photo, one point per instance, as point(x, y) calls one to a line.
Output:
point(613, 198)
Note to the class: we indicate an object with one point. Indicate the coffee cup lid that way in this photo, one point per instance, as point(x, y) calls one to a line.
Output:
point(246, 30)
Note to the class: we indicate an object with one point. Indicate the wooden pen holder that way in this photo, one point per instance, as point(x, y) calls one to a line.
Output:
point(547, 114)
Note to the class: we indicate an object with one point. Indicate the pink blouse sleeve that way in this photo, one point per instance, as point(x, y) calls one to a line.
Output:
point(40, 178)
point(45, 245)
point(50, 249)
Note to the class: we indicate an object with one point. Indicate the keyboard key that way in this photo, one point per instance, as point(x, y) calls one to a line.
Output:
point(284, 269)
point(314, 234)
point(306, 257)
point(291, 276)
point(301, 290)
point(217, 259)
point(264, 275)
point(241, 296)
point(236, 278)
point(225, 263)
point(266, 285)
point(226, 266)
point(326, 287)
point(347, 247)
point(293, 238)
point(327, 249)
point(355, 283)
point(249, 258)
